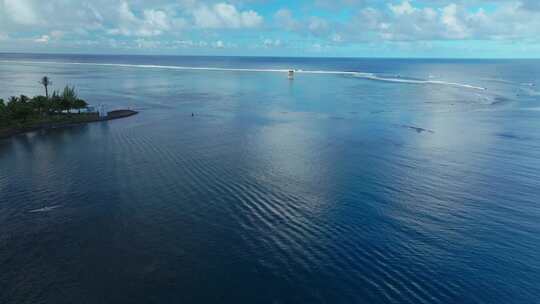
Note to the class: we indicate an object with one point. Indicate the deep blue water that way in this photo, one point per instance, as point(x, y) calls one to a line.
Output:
point(414, 181)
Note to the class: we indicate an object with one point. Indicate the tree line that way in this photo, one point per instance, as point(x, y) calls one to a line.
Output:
point(23, 108)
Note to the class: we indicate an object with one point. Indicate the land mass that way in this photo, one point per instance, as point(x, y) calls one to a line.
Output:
point(61, 121)
point(24, 114)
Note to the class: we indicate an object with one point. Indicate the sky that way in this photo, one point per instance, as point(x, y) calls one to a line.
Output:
point(319, 28)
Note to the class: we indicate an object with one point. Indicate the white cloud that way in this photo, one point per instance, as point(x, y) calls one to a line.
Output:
point(52, 36)
point(43, 39)
point(20, 11)
point(420, 20)
point(147, 44)
point(453, 21)
point(405, 8)
point(269, 43)
point(336, 37)
point(144, 24)
point(251, 19)
point(219, 44)
point(223, 15)
point(151, 23)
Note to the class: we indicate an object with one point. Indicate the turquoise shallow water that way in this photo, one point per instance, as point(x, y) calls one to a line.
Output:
point(407, 182)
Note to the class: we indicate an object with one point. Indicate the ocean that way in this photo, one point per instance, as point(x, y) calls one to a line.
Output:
point(360, 181)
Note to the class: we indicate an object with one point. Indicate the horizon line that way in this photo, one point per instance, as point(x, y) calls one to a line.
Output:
point(263, 56)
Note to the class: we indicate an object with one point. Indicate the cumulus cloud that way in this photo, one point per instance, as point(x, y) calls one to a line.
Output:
point(421, 20)
point(151, 23)
point(43, 39)
point(20, 11)
point(336, 38)
point(405, 22)
point(270, 43)
point(223, 15)
point(122, 17)
point(163, 23)
point(219, 44)
point(52, 36)
point(404, 8)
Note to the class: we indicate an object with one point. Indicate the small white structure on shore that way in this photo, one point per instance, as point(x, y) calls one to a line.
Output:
point(291, 74)
point(101, 111)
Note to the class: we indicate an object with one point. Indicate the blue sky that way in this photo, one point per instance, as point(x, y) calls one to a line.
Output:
point(351, 28)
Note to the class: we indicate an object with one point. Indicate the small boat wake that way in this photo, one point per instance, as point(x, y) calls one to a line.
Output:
point(45, 209)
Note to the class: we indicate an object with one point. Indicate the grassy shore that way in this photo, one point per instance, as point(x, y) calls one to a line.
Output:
point(59, 121)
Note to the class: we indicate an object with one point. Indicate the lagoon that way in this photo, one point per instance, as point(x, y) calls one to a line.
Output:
point(406, 181)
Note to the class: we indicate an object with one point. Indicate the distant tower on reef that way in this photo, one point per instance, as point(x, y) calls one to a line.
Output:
point(291, 74)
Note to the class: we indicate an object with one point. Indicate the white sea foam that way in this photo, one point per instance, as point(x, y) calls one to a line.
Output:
point(500, 80)
point(417, 81)
point(148, 66)
point(45, 209)
point(176, 67)
point(369, 76)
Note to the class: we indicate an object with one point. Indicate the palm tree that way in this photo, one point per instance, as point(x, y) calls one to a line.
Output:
point(24, 98)
point(13, 100)
point(19, 108)
point(79, 104)
point(69, 96)
point(41, 103)
point(55, 102)
point(3, 113)
point(46, 82)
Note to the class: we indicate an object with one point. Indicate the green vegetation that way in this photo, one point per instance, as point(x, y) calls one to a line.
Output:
point(24, 112)
point(46, 82)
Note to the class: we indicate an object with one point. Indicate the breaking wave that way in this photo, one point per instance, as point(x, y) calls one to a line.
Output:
point(417, 81)
point(369, 76)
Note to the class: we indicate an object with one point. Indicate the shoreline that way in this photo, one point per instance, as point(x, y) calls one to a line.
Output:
point(116, 114)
